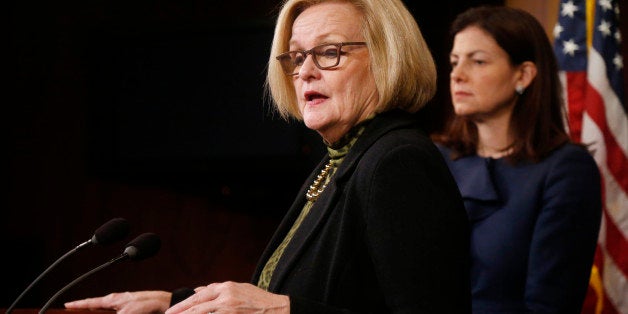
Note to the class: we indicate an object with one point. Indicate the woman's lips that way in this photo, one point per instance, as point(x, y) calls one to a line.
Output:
point(316, 101)
point(461, 94)
point(314, 98)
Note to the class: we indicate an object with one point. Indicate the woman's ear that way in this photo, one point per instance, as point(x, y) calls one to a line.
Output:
point(527, 72)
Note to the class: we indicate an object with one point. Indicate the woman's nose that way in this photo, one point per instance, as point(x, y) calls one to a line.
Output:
point(308, 68)
point(456, 73)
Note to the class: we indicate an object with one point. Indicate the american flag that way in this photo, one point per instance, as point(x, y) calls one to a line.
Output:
point(587, 44)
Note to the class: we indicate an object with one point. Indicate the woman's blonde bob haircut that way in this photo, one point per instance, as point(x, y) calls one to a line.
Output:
point(401, 62)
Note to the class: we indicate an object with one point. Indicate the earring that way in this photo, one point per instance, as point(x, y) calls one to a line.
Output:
point(519, 89)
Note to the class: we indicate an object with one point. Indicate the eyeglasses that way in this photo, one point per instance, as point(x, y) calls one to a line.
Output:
point(325, 56)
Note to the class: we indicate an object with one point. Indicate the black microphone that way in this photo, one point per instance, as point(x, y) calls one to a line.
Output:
point(112, 231)
point(144, 246)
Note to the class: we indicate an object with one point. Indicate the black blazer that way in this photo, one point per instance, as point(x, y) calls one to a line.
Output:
point(388, 235)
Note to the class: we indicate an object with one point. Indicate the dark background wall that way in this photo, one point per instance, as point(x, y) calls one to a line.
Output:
point(152, 111)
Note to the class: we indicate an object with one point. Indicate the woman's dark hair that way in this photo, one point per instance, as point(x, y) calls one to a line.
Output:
point(538, 116)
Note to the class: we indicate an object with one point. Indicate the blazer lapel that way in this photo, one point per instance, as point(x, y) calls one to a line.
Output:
point(320, 211)
point(381, 124)
point(306, 233)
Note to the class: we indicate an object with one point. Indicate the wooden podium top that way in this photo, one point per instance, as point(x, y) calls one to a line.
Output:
point(58, 311)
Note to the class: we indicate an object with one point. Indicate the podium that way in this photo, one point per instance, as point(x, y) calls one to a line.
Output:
point(58, 311)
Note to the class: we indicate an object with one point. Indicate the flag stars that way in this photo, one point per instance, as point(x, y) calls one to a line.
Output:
point(618, 37)
point(558, 29)
point(606, 5)
point(604, 28)
point(569, 47)
point(568, 9)
point(618, 62)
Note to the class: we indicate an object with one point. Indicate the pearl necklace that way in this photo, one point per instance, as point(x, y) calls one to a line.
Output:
point(483, 152)
point(315, 188)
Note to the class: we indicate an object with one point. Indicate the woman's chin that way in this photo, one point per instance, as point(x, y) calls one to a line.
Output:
point(313, 121)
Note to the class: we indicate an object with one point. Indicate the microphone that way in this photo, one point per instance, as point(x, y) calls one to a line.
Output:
point(144, 246)
point(112, 231)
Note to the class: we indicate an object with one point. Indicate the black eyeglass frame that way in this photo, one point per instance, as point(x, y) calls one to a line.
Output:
point(304, 53)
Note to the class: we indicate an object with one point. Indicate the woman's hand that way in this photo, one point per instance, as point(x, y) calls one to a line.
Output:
point(232, 297)
point(127, 302)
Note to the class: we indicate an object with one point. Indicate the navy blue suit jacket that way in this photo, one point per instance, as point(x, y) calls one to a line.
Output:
point(534, 230)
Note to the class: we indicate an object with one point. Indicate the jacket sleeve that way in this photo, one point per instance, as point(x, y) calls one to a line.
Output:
point(417, 231)
point(565, 235)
